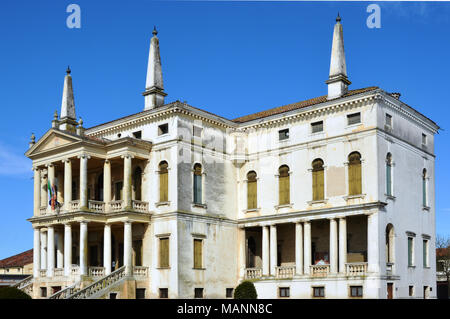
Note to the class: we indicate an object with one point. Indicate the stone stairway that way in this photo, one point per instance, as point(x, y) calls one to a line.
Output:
point(25, 285)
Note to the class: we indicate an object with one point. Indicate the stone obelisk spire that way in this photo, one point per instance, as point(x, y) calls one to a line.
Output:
point(337, 82)
point(154, 87)
point(68, 118)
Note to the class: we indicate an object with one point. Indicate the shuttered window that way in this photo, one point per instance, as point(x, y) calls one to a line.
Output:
point(284, 187)
point(410, 251)
point(164, 252)
point(354, 174)
point(318, 180)
point(389, 174)
point(252, 190)
point(197, 184)
point(425, 253)
point(424, 187)
point(163, 182)
point(198, 253)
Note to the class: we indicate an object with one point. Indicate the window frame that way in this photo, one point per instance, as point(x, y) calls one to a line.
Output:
point(283, 290)
point(162, 292)
point(314, 124)
point(354, 115)
point(359, 291)
point(160, 259)
point(283, 135)
point(198, 264)
point(284, 195)
point(163, 129)
point(200, 291)
point(318, 179)
point(354, 169)
point(320, 289)
point(252, 190)
point(410, 242)
point(197, 184)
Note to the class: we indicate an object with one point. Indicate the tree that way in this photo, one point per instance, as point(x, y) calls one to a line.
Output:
point(443, 258)
point(245, 290)
point(12, 293)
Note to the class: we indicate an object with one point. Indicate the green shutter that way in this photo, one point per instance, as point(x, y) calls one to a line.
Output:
point(410, 248)
point(388, 179)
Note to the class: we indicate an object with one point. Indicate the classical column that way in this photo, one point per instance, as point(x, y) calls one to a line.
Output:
point(67, 183)
point(107, 249)
point(242, 252)
point(50, 251)
point(36, 252)
point(333, 246)
point(43, 249)
point(342, 244)
point(83, 248)
point(298, 248)
point(273, 249)
point(83, 181)
point(307, 247)
point(373, 256)
point(107, 184)
point(127, 249)
point(67, 249)
point(265, 250)
point(37, 191)
point(44, 190)
point(127, 180)
point(59, 250)
point(51, 178)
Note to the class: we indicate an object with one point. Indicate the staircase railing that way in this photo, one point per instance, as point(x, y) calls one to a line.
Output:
point(100, 284)
point(26, 285)
point(65, 293)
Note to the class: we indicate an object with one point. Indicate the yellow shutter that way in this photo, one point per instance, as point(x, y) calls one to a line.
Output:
point(164, 252)
point(198, 254)
point(284, 190)
point(354, 175)
point(251, 195)
point(163, 187)
point(318, 184)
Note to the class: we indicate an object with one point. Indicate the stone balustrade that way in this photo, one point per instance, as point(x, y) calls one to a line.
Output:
point(355, 269)
point(43, 210)
point(320, 270)
point(140, 206)
point(116, 206)
point(96, 206)
point(75, 270)
point(253, 273)
point(42, 272)
point(140, 271)
point(74, 205)
point(285, 271)
point(58, 272)
point(96, 271)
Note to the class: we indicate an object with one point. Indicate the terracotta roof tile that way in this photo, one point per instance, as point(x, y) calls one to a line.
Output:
point(294, 106)
point(19, 260)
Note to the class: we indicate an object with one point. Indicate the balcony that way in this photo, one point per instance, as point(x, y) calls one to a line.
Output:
point(100, 207)
point(285, 271)
point(253, 273)
point(140, 271)
point(356, 269)
point(96, 206)
point(320, 270)
point(96, 272)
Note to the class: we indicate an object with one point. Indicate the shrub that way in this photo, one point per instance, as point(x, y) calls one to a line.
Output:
point(12, 293)
point(245, 290)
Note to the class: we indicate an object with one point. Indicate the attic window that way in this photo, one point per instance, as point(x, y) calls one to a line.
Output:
point(137, 134)
point(388, 120)
point(354, 118)
point(283, 134)
point(197, 131)
point(424, 139)
point(317, 127)
point(163, 129)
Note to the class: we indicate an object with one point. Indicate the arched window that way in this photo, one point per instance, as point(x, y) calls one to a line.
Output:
point(390, 254)
point(163, 182)
point(389, 174)
point(252, 190)
point(318, 179)
point(424, 187)
point(284, 187)
point(354, 174)
point(137, 183)
point(197, 184)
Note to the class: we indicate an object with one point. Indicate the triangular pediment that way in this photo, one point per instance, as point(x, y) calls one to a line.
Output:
point(51, 140)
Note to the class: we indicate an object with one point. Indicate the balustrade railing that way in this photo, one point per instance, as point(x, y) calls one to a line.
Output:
point(43, 210)
point(65, 293)
point(355, 269)
point(75, 270)
point(24, 283)
point(140, 206)
point(96, 206)
point(285, 271)
point(140, 271)
point(43, 273)
point(253, 273)
point(116, 205)
point(99, 285)
point(320, 270)
point(96, 271)
point(58, 272)
point(74, 205)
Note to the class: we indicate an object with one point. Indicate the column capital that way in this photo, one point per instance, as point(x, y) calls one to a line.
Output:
point(107, 161)
point(66, 160)
point(49, 165)
point(332, 218)
point(127, 155)
point(84, 156)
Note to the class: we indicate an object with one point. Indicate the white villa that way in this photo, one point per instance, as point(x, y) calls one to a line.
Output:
point(331, 197)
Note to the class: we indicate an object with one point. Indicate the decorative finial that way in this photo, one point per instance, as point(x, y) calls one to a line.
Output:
point(33, 138)
point(55, 115)
point(338, 19)
point(80, 122)
point(68, 71)
point(155, 32)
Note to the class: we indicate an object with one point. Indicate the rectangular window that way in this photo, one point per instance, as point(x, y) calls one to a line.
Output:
point(410, 251)
point(113, 295)
point(198, 292)
point(197, 189)
point(317, 127)
point(164, 252)
point(283, 134)
point(229, 292)
point(137, 134)
point(319, 291)
point(411, 291)
point(425, 253)
point(353, 118)
point(197, 131)
point(388, 120)
point(198, 253)
point(163, 293)
point(284, 292)
point(356, 291)
point(163, 129)
point(43, 291)
point(140, 293)
point(424, 139)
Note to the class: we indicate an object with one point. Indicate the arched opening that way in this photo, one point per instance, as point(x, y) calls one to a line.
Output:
point(197, 184)
point(163, 181)
point(252, 194)
point(318, 179)
point(354, 174)
point(389, 174)
point(424, 187)
point(284, 185)
point(390, 254)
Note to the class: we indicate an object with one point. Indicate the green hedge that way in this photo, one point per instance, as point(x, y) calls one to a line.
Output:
point(12, 293)
point(245, 290)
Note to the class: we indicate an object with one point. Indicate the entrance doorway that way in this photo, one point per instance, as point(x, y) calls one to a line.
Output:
point(390, 290)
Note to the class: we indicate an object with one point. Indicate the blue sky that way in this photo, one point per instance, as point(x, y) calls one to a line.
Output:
point(230, 58)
